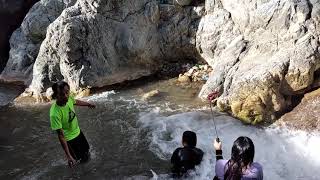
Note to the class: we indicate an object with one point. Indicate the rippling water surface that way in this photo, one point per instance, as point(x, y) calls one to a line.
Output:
point(130, 137)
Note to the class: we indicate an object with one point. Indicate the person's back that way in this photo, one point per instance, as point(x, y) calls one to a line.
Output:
point(241, 165)
point(187, 157)
point(253, 172)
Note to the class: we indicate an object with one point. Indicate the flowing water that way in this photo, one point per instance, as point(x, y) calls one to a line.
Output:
point(134, 139)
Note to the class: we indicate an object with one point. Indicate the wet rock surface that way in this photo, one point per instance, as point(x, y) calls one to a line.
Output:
point(261, 60)
point(305, 116)
point(11, 16)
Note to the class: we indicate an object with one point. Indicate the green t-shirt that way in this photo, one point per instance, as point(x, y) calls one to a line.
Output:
point(64, 117)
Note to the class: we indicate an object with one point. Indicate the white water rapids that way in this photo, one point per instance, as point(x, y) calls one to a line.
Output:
point(130, 137)
point(284, 154)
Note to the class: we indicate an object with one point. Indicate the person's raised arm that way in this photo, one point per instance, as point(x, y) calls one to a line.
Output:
point(63, 142)
point(218, 147)
point(84, 103)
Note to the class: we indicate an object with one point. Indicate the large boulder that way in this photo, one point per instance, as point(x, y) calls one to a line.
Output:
point(266, 54)
point(11, 16)
point(26, 40)
point(98, 43)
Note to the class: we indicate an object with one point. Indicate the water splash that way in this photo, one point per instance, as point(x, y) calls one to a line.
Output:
point(101, 97)
point(284, 154)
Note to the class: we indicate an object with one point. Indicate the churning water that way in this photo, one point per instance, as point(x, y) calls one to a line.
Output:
point(131, 138)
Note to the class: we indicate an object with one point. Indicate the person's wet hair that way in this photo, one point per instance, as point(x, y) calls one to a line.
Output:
point(242, 155)
point(58, 87)
point(190, 138)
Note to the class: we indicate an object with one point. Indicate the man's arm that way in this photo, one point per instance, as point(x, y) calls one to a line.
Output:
point(174, 157)
point(84, 103)
point(65, 147)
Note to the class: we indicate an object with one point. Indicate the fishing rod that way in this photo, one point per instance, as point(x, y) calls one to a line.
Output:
point(212, 96)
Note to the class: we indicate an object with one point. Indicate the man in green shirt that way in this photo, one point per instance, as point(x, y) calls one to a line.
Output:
point(64, 120)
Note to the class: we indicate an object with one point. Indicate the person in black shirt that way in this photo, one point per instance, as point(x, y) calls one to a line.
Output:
point(186, 157)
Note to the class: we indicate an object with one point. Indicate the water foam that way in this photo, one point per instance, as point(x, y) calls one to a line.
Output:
point(101, 96)
point(284, 154)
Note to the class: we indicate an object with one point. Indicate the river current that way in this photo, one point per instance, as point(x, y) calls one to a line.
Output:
point(133, 139)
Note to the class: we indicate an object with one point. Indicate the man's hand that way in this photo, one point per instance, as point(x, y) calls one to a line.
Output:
point(213, 95)
point(217, 145)
point(71, 162)
point(84, 103)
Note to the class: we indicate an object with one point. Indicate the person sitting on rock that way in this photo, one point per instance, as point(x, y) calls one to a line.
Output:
point(241, 165)
point(187, 157)
point(64, 121)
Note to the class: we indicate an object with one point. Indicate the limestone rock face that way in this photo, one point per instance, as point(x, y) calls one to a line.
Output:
point(91, 43)
point(183, 2)
point(11, 16)
point(26, 40)
point(98, 43)
point(177, 30)
point(263, 53)
point(267, 52)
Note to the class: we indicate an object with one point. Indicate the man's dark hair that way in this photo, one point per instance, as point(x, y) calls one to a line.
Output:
point(58, 87)
point(190, 138)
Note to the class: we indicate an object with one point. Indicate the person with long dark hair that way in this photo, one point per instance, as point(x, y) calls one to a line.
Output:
point(64, 121)
point(241, 165)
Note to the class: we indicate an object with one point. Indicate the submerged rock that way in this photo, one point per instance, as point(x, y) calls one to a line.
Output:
point(184, 78)
point(150, 95)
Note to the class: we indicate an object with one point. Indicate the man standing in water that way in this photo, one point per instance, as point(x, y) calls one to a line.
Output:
point(186, 157)
point(64, 120)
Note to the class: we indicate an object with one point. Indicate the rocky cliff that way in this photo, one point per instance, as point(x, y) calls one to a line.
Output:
point(11, 16)
point(263, 54)
point(26, 40)
point(98, 43)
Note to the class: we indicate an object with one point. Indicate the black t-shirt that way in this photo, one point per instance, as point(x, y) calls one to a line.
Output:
point(184, 159)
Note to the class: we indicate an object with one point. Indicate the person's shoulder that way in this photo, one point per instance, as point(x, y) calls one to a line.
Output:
point(178, 149)
point(198, 150)
point(256, 165)
point(55, 110)
point(53, 107)
point(255, 171)
point(221, 162)
point(71, 99)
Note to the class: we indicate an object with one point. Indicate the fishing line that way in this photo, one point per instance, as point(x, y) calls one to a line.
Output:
point(211, 97)
point(214, 122)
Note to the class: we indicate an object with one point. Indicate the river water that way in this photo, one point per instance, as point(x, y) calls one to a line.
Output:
point(133, 139)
